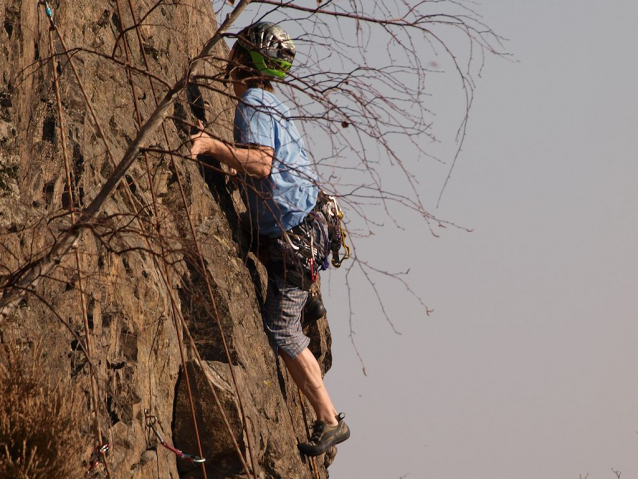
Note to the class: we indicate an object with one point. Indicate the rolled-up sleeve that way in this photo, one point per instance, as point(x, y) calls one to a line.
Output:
point(255, 125)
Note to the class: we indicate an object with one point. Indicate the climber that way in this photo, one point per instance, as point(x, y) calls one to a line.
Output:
point(281, 194)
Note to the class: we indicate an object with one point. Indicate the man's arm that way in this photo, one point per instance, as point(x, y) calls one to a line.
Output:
point(254, 160)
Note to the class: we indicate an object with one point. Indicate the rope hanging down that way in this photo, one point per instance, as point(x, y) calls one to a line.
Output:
point(313, 462)
point(151, 422)
point(127, 51)
point(133, 206)
point(195, 101)
point(98, 457)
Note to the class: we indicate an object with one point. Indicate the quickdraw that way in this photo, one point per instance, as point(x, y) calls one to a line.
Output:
point(48, 10)
point(151, 422)
point(96, 457)
point(314, 274)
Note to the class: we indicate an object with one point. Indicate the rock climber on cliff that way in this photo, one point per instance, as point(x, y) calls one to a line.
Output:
point(281, 193)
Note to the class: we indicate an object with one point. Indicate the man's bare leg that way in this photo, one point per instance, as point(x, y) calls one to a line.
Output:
point(306, 373)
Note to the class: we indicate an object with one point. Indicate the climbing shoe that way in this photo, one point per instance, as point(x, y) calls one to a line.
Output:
point(324, 436)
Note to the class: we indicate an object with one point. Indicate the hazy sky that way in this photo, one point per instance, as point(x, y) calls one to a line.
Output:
point(528, 368)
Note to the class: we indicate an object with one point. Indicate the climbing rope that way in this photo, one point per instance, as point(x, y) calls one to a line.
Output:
point(177, 313)
point(49, 13)
point(162, 245)
point(313, 462)
point(110, 155)
point(99, 454)
point(205, 275)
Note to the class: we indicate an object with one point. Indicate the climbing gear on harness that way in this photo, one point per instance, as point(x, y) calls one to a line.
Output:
point(329, 206)
point(151, 421)
point(301, 252)
point(271, 48)
point(324, 436)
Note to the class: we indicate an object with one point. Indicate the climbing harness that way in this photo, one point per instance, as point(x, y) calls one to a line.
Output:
point(96, 457)
point(151, 422)
point(302, 252)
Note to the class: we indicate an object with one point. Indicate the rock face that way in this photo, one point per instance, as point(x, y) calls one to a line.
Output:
point(169, 237)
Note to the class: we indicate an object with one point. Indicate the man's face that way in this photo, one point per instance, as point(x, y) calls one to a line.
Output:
point(231, 69)
point(231, 56)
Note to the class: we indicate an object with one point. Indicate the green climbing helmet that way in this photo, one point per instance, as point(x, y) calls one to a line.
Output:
point(271, 48)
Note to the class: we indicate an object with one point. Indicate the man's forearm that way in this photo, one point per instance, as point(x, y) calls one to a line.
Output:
point(256, 161)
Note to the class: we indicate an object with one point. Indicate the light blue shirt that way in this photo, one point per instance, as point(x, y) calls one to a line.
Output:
point(282, 200)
